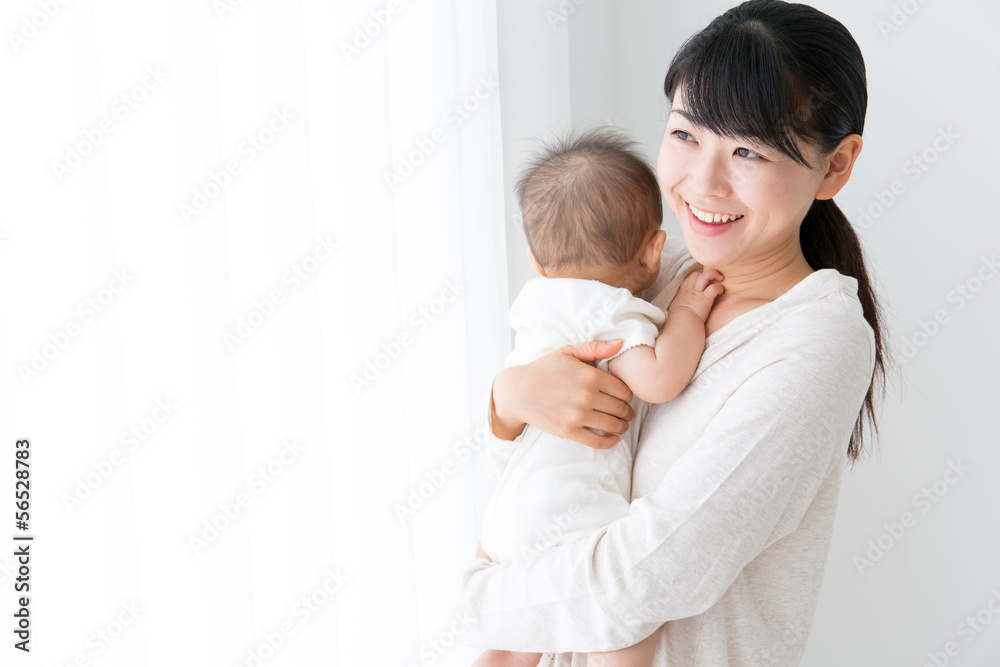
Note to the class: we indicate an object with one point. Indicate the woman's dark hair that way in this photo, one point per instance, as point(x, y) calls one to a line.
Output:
point(778, 72)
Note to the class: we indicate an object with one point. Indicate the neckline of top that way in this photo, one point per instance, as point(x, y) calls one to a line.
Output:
point(836, 278)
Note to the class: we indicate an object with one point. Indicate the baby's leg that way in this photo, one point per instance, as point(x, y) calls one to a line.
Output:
point(493, 658)
point(639, 655)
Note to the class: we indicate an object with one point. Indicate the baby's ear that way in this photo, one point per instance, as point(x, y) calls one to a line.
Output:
point(534, 263)
point(652, 250)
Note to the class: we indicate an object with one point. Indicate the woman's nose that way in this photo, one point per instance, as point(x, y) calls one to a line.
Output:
point(710, 176)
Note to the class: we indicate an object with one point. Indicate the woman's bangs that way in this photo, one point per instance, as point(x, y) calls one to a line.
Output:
point(735, 85)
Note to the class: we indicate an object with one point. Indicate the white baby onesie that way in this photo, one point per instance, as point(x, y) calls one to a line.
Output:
point(553, 490)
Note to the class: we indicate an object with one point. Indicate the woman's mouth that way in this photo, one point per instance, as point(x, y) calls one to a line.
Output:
point(710, 222)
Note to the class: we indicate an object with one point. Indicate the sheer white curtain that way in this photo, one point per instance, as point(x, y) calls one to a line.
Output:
point(427, 102)
point(254, 279)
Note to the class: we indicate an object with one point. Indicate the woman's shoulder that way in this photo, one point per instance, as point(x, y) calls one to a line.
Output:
point(826, 298)
point(822, 318)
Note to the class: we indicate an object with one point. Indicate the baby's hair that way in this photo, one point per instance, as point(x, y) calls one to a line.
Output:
point(588, 200)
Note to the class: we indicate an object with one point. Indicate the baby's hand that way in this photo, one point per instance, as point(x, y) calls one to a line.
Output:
point(697, 293)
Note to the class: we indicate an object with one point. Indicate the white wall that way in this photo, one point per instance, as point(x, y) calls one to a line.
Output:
point(534, 103)
point(930, 71)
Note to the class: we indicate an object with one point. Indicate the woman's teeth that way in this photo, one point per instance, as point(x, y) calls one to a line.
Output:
point(713, 217)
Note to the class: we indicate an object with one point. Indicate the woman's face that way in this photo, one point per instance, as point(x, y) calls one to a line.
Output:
point(704, 174)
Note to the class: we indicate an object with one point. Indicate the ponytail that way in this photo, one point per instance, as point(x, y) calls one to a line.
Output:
point(829, 242)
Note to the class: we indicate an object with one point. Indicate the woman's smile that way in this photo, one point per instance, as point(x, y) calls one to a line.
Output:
point(710, 223)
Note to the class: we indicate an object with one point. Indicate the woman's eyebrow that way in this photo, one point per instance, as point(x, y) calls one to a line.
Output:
point(685, 115)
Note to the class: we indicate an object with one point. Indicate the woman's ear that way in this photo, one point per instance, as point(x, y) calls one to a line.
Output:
point(652, 249)
point(839, 165)
point(534, 263)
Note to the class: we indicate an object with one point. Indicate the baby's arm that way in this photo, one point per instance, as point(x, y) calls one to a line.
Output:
point(657, 374)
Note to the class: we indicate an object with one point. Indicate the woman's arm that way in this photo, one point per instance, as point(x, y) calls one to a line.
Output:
point(682, 546)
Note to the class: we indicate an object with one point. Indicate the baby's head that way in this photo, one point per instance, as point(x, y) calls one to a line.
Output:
point(591, 207)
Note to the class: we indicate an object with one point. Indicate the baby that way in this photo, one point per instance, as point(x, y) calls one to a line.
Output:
point(592, 214)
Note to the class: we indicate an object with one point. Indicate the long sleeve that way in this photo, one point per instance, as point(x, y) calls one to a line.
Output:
point(747, 482)
point(494, 452)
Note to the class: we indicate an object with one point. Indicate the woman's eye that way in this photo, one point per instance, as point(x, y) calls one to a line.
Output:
point(682, 135)
point(747, 153)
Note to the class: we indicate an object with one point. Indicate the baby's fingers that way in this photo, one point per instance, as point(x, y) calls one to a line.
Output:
point(706, 278)
point(714, 291)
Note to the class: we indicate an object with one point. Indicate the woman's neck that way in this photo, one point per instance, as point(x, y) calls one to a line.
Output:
point(762, 281)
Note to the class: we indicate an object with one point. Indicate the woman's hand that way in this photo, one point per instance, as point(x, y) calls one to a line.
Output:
point(560, 394)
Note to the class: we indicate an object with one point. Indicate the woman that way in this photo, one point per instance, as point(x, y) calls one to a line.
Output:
point(735, 481)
